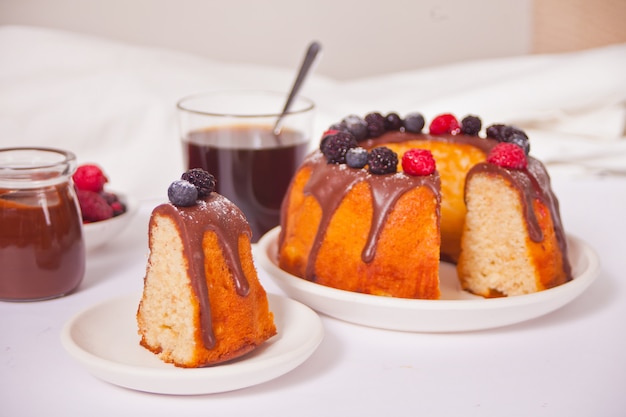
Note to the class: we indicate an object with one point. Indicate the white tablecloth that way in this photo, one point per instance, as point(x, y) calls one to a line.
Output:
point(114, 104)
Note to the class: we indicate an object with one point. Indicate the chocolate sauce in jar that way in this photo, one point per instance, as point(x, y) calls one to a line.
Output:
point(42, 252)
point(253, 167)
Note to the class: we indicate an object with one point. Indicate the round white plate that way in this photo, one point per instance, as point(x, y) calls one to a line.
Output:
point(456, 311)
point(104, 339)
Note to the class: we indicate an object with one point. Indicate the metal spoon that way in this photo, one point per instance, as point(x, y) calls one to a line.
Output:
point(311, 54)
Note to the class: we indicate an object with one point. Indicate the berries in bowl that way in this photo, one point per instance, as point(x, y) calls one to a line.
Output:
point(105, 213)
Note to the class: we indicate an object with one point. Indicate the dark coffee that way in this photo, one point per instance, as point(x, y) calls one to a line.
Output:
point(253, 167)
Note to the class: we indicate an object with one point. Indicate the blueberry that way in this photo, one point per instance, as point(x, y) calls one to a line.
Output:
point(383, 160)
point(414, 122)
point(182, 193)
point(375, 124)
point(471, 125)
point(357, 126)
point(393, 121)
point(356, 157)
point(334, 147)
point(204, 182)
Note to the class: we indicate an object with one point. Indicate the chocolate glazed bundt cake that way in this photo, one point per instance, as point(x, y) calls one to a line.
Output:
point(352, 220)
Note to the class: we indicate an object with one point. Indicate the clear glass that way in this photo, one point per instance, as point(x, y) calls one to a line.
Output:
point(230, 134)
point(42, 251)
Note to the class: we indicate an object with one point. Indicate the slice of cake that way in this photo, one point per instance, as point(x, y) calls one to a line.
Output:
point(512, 241)
point(202, 302)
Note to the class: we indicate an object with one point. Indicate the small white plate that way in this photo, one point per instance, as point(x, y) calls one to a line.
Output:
point(456, 311)
point(104, 339)
point(98, 234)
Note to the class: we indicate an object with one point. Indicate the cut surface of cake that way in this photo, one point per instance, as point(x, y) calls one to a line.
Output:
point(332, 212)
point(513, 242)
point(202, 302)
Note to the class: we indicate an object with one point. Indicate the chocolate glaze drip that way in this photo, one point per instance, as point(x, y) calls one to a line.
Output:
point(217, 214)
point(533, 183)
point(329, 185)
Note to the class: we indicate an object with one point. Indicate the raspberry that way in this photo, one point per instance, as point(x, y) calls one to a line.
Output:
point(414, 122)
point(93, 206)
point(507, 155)
point(356, 157)
point(445, 123)
point(89, 177)
point(383, 160)
point(418, 162)
point(204, 182)
point(471, 125)
point(375, 124)
point(334, 147)
point(182, 193)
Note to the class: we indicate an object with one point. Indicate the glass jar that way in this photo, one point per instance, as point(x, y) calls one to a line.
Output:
point(42, 251)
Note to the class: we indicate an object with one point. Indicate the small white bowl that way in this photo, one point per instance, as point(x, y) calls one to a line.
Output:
point(97, 234)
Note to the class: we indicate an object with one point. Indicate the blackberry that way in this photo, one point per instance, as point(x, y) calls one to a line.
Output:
point(375, 124)
point(356, 157)
point(204, 182)
point(512, 134)
point(334, 147)
point(471, 125)
point(182, 193)
point(382, 160)
point(357, 126)
point(393, 121)
point(495, 132)
point(414, 122)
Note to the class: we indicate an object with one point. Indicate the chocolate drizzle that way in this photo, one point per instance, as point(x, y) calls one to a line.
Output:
point(330, 183)
point(213, 213)
point(533, 183)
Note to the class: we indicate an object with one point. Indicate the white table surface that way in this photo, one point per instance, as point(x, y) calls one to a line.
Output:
point(571, 362)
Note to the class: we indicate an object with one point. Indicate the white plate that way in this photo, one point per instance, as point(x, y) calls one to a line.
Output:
point(456, 311)
point(104, 339)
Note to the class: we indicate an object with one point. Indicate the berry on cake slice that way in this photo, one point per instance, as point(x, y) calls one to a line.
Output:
point(508, 155)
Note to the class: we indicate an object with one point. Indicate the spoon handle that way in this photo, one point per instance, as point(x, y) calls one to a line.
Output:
point(311, 54)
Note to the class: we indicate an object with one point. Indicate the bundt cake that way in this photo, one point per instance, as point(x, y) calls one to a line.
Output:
point(202, 302)
point(349, 224)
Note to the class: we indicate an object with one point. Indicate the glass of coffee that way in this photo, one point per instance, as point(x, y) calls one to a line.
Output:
point(232, 135)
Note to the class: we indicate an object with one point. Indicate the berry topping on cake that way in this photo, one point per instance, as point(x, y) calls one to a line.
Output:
point(507, 155)
point(414, 122)
point(471, 125)
point(393, 121)
point(93, 206)
point(89, 177)
point(202, 180)
point(334, 147)
point(182, 193)
point(357, 126)
point(509, 134)
point(375, 124)
point(445, 123)
point(418, 162)
point(382, 160)
point(356, 157)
